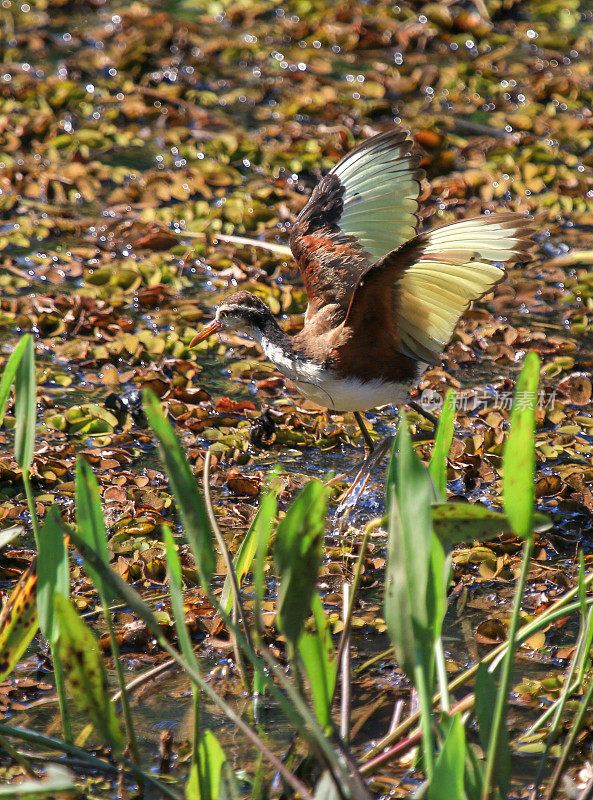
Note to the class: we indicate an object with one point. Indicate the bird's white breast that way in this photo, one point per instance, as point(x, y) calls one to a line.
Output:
point(331, 390)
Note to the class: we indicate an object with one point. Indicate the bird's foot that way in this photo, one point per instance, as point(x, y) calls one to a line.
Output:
point(352, 494)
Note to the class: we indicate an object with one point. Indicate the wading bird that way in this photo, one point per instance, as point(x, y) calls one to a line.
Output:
point(383, 300)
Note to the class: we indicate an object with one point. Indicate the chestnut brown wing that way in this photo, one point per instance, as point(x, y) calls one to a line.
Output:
point(358, 213)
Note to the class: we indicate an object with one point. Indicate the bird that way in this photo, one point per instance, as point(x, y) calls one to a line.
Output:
point(383, 298)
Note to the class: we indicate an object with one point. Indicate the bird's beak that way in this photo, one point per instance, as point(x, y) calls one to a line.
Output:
point(207, 330)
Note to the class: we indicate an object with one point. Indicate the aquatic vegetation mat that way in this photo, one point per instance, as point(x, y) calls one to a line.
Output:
point(131, 137)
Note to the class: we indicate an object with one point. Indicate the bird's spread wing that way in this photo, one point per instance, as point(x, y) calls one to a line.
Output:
point(362, 210)
point(434, 278)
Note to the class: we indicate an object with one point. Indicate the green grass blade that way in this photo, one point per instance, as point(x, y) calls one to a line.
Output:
point(85, 674)
point(212, 759)
point(408, 615)
point(91, 526)
point(53, 574)
point(9, 373)
point(494, 773)
point(442, 444)
point(415, 578)
point(519, 452)
point(246, 553)
point(297, 554)
point(192, 788)
point(518, 496)
point(188, 499)
point(263, 532)
point(318, 656)
point(485, 691)
point(398, 608)
point(25, 401)
point(175, 590)
point(449, 769)
point(91, 522)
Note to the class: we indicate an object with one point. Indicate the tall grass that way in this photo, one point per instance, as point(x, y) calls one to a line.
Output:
point(422, 530)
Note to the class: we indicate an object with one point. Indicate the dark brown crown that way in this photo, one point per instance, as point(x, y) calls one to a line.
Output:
point(243, 301)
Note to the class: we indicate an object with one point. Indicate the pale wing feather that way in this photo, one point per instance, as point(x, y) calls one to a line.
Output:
point(380, 199)
point(455, 269)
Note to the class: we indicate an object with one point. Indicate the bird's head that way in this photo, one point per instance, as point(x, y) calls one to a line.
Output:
point(242, 312)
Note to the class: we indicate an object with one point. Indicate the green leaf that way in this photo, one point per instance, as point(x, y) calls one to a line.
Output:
point(190, 504)
point(474, 774)
point(442, 444)
point(394, 471)
point(436, 589)
point(18, 622)
point(262, 533)
point(175, 590)
point(519, 454)
point(398, 608)
point(85, 674)
point(25, 402)
point(485, 692)
point(57, 781)
point(212, 759)
point(91, 522)
point(447, 782)
point(317, 652)
point(52, 572)
point(9, 373)
point(297, 554)
point(455, 523)
point(409, 609)
point(246, 553)
point(192, 790)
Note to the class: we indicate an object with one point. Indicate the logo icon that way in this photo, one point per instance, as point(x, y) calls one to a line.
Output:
point(430, 400)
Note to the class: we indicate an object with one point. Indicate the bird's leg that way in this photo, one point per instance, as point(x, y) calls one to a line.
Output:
point(426, 414)
point(368, 442)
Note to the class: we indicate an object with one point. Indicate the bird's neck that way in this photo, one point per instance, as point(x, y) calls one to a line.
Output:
point(276, 345)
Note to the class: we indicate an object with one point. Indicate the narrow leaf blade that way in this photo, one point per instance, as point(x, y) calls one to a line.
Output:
point(297, 555)
point(188, 499)
point(9, 373)
point(211, 757)
point(91, 522)
point(175, 590)
point(442, 445)
point(246, 553)
point(519, 452)
point(317, 652)
point(485, 691)
point(25, 401)
point(52, 572)
point(456, 523)
point(85, 674)
point(447, 782)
